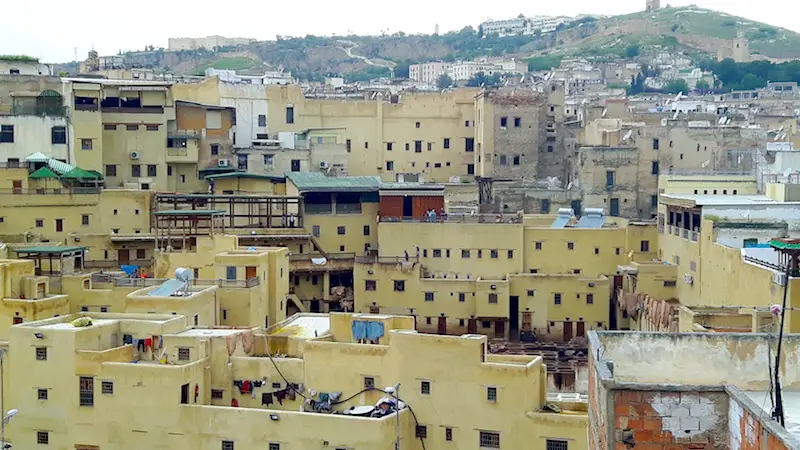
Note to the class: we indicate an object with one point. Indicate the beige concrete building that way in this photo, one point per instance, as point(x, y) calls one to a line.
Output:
point(208, 43)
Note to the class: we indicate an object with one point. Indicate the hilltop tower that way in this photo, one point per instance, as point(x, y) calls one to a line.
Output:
point(652, 5)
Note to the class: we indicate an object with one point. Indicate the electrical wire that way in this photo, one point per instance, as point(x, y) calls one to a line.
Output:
point(266, 349)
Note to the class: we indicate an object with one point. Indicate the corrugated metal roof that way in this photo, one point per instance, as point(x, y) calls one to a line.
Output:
point(412, 186)
point(58, 167)
point(317, 182)
point(219, 176)
point(107, 82)
point(50, 249)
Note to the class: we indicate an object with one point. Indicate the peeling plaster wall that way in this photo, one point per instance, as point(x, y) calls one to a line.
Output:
point(699, 358)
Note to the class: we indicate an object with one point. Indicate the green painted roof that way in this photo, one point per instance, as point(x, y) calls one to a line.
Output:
point(79, 174)
point(189, 212)
point(42, 174)
point(785, 244)
point(218, 176)
point(50, 249)
point(412, 186)
point(317, 182)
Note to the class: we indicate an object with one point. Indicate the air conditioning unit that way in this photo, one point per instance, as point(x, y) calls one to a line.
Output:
point(134, 155)
point(779, 278)
point(223, 163)
point(591, 285)
point(323, 164)
point(688, 278)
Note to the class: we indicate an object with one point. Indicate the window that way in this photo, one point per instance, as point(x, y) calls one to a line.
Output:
point(262, 120)
point(644, 246)
point(214, 149)
point(503, 122)
point(446, 143)
point(617, 250)
point(184, 354)
point(469, 145)
point(86, 144)
point(389, 146)
point(462, 297)
point(42, 437)
point(425, 387)
point(366, 144)
point(654, 168)
point(340, 230)
point(465, 253)
point(369, 382)
point(448, 434)
point(109, 126)
point(315, 230)
point(550, 149)
point(389, 165)
point(466, 123)
point(428, 321)
point(370, 285)
point(480, 253)
point(570, 246)
point(417, 146)
point(517, 122)
point(132, 127)
point(655, 143)
point(538, 245)
point(531, 292)
point(491, 394)
point(470, 169)
point(103, 309)
point(576, 271)
point(41, 394)
point(111, 170)
point(107, 387)
point(227, 445)
point(516, 160)
point(670, 283)
point(502, 160)
point(269, 160)
point(151, 127)
point(430, 146)
point(86, 391)
point(6, 134)
point(421, 432)
point(84, 219)
point(41, 353)
point(494, 254)
point(489, 439)
point(609, 179)
point(399, 285)
point(492, 299)
point(429, 296)
point(557, 299)
point(274, 446)
point(58, 135)
point(544, 206)
point(556, 444)
point(654, 201)
point(136, 171)
point(152, 170)
point(290, 114)
point(217, 394)
point(596, 250)
point(141, 253)
point(590, 299)
point(230, 273)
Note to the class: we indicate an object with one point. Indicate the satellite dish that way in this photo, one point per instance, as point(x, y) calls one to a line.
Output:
point(705, 164)
point(627, 135)
point(787, 172)
point(675, 116)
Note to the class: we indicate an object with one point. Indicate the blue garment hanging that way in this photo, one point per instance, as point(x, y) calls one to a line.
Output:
point(359, 330)
point(374, 330)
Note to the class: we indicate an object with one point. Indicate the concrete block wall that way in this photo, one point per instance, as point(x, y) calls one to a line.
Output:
point(670, 420)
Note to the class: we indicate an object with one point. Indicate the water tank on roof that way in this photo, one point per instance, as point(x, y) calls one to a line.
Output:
point(184, 274)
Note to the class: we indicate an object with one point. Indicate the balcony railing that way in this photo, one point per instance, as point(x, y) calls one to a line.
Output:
point(186, 134)
point(146, 282)
point(386, 259)
point(129, 110)
point(83, 107)
point(38, 110)
point(457, 218)
point(330, 257)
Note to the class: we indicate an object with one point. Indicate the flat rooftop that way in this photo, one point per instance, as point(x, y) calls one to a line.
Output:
point(210, 332)
point(303, 326)
point(69, 326)
point(702, 200)
point(791, 408)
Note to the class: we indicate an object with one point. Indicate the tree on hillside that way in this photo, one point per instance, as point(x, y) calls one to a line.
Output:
point(702, 86)
point(480, 79)
point(632, 51)
point(444, 81)
point(637, 84)
point(677, 86)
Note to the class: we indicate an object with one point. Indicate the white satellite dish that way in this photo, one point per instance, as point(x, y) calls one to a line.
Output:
point(675, 116)
point(605, 111)
point(627, 135)
point(787, 172)
point(705, 164)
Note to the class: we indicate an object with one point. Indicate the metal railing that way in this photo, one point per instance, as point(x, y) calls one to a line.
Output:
point(83, 107)
point(187, 134)
point(38, 110)
point(330, 257)
point(690, 172)
point(132, 110)
point(45, 191)
point(457, 218)
point(146, 282)
point(386, 259)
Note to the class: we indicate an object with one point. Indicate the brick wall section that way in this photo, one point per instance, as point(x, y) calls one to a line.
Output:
point(652, 420)
point(747, 433)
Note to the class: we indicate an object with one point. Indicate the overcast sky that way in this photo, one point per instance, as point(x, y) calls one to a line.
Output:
point(53, 30)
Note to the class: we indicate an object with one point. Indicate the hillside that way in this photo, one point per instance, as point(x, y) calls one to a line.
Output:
point(697, 32)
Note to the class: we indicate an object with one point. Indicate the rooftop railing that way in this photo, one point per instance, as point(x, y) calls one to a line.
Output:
point(457, 218)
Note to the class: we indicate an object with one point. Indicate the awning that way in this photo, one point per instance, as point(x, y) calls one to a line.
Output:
point(79, 174)
point(37, 157)
point(43, 173)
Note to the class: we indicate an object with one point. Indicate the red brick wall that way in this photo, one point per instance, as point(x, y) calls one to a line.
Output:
point(747, 433)
point(650, 420)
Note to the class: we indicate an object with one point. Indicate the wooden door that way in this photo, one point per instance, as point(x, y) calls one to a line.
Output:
point(124, 256)
point(581, 329)
point(59, 225)
point(250, 272)
point(472, 326)
point(499, 329)
point(17, 186)
point(442, 325)
point(567, 331)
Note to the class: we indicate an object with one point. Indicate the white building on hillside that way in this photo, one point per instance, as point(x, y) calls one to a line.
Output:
point(522, 25)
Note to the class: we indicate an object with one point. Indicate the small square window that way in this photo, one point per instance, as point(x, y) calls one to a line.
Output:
point(131, 127)
point(531, 292)
point(39, 223)
point(596, 250)
point(557, 299)
point(576, 271)
point(538, 245)
point(107, 387)
point(425, 253)
point(369, 382)
point(489, 439)
point(437, 253)
point(42, 437)
point(340, 230)
point(480, 253)
point(154, 128)
point(86, 144)
point(570, 246)
point(556, 444)
point(274, 446)
point(366, 230)
point(428, 321)
point(217, 394)
point(448, 434)
point(214, 149)
point(617, 250)
point(184, 354)
point(425, 387)
point(644, 246)
point(462, 297)
point(370, 285)
point(399, 285)
point(493, 299)
point(109, 126)
point(510, 254)
point(491, 394)
point(227, 445)
point(465, 253)
point(517, 122)
point(41, 353)
point(103, 309)
point(418, 125)
point(421, 432)
point(494, 254)
point(486, 324)
point(429, 296)
point(84, 219)
point(41, 394)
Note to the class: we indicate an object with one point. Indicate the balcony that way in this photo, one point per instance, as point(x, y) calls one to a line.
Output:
point(183, 134)
point(683, 232)
point(386, 259)
point(38, 110)
point(186, 152)
point(131, 110)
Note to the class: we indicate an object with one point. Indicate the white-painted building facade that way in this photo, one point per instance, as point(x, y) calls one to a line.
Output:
point(22, 135)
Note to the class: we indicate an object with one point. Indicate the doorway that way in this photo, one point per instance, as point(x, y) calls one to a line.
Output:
point(472, 326)
point(581, 329)
point(16, 185)
point(185, 394)
point(513, 317)
point(408, 206)
point(315, 306)
point(567, 331)
point(614, 212)
point(499, 329)
point(250, 272)
point(442, 325)
point(59, 225)
point(124, 256)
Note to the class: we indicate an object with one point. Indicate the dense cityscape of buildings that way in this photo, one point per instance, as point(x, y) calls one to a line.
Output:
point(239, 261)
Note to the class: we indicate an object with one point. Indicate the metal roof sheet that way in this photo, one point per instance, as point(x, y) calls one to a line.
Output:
point(217, 176)
point(50, 249)
point(317, 182)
